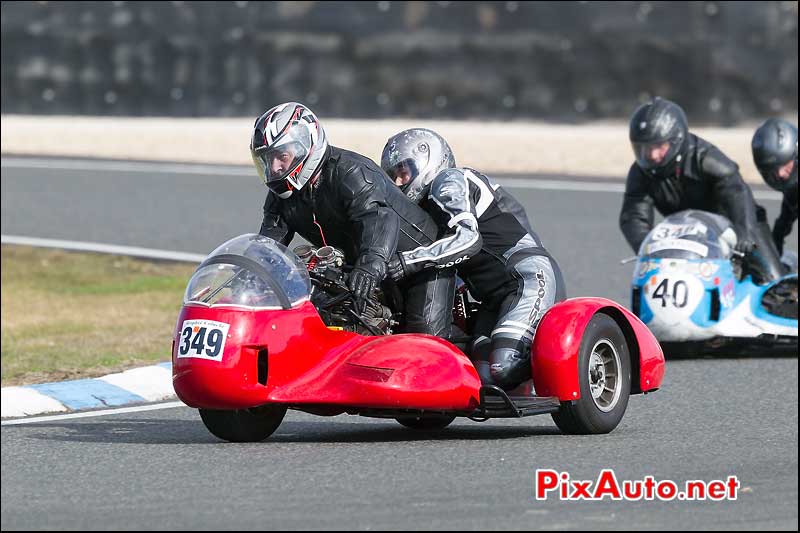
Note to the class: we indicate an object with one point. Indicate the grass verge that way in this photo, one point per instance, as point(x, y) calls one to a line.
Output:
point(69, 315)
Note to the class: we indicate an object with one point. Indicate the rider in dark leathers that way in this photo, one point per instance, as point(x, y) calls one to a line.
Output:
point(335, 197)
point(775, 155)
point(676, 170)
point(486, 236)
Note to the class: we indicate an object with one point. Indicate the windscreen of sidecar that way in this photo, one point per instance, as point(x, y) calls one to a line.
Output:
point(685, 236)
point(250, 271)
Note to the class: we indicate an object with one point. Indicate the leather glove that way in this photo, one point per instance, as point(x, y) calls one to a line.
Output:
point(367, 274)
point(746, 245)
point(396, 269)
point(362, 283)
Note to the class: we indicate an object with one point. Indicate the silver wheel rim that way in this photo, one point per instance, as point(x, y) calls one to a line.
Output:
point(604, 375)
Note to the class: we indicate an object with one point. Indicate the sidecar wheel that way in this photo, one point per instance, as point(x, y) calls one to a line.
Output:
point(244, 425)
point(428, 422)
point(604, 372)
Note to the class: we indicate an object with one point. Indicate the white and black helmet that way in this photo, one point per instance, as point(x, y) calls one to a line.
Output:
point(288, 146)
point(413, 157)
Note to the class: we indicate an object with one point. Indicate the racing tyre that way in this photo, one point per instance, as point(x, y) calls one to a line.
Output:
point(244, 425)
point(428, 422)
point(604, 370)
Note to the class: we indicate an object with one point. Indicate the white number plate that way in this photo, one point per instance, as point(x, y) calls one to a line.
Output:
point(676, 231)
point(203, 338)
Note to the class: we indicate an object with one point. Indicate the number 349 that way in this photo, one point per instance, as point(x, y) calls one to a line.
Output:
point(201, 341)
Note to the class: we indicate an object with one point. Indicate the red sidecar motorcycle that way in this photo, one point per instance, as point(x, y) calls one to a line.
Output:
point(262, 331)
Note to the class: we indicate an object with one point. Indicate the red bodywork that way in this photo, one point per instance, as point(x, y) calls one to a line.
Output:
point(309, 364)
point(558, 339)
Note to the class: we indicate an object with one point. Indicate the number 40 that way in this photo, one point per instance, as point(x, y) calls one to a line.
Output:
point(680, 293)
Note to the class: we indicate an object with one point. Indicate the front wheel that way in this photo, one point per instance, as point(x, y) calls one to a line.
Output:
point(428, 422)
point(604, 372)
point(244, 425)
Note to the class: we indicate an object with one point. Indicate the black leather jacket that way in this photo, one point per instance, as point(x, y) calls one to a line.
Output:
point(358, 209)
point(704, 179)
point(788, 216)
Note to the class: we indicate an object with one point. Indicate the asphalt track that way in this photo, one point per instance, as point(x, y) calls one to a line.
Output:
point(162, 470)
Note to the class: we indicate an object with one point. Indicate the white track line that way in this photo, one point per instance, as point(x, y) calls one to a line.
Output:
point(126, 166)
point(87, 414)
point(132, 251)
point(598, 186)
point(231, 170)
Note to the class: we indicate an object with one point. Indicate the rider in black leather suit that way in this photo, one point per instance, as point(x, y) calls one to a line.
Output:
point(775, 155)
point(335, 197)
point(676, 170)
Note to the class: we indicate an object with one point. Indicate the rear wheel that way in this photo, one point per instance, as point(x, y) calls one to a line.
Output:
point(427, 422)
point(244, 425)
point(604, 372)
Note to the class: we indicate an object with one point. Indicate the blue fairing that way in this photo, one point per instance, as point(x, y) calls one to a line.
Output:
point(685, 288)
point(757, 293)
point(731, 293)
point(645, 313)
point(721, 279)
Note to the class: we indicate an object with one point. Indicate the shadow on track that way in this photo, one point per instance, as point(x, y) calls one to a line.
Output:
point(133, 431)
point(702, 351)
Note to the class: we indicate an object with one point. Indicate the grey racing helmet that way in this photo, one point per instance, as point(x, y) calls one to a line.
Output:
point(413, 157)
point(775, 144)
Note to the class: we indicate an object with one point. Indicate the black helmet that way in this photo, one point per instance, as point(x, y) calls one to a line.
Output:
point(658, 123)
point(775, 144)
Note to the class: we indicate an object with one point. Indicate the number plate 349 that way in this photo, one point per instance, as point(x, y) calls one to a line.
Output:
point(203, 338)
